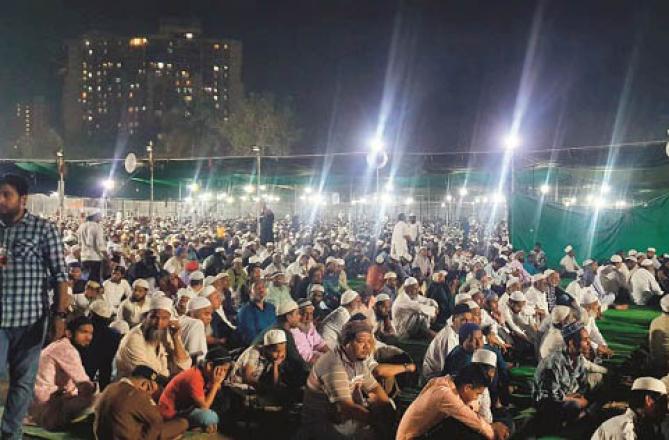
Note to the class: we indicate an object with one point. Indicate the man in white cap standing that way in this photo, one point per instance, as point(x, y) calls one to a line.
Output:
point(413, 313)
point(568, 264)
point(331, 326)
point(90, 237)
point(642, 420)
point(645, 289)
point(155, 343)
point(658, 334)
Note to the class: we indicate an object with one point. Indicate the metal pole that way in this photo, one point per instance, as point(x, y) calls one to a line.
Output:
point(149, 149)
point(61, 183)
point(256, 149)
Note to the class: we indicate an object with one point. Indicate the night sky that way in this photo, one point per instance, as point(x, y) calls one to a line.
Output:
point(449, 71)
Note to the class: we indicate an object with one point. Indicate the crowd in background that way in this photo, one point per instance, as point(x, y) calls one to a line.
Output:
point(162, 326)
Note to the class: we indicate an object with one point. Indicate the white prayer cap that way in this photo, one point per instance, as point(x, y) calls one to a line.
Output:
point(382, 297)
point(197, 303)
point(616, 259)
point(330, 259)
point(379, 259)
point(141, 282)
point(664, 303)
point(348, 297)
point(389, 275)
point(411, 281)
point(161, 303)
point(462, 297)
point(517, 296)
point(483, 356)
point(631, 258)
point(120, 326)
point(538, 277)
point(219, 249)
point(340, 262)
point(588, 262)
point(649, 384)
point(472, 304)
point(632, 252)
point(197, 276)
point(651, 249)
point(317, 288)
point(101, 308)
point(568, 249)
point(286, 307)
point(647, 262)
point(588, 298)
point(549, 272)
point(269, 243)
point(205, 292)
point(559, 314)
point(273, 337)
point(185, 292)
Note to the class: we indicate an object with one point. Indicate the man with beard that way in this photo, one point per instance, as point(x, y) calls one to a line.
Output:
point(237, 274)
point(414, 313)
point(278, 292)
point(155, 343)
point(342, 383)
point(276, 265)
point(256, 315)
point(63, 390)
point(132, 310)
point(221, 331)
point(332, 325)
point(384, 330)
point(34, 256)
point(77, 283)
point(642, 420)
point(100, 354)
point(82, 301)
point(309, 343)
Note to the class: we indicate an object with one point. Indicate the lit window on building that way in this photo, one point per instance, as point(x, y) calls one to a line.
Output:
point(138, 42)
point(90, 74)
point(90, 118)
point(189, 35)
point(225, 67)
point(90, 51)
point(83, 95)
point(225, 46)
point(215, 98)
point(188, 98)
point(216, 46)
point(118, 65)
point(87, 43)
point(161, 65)
point(216, 68)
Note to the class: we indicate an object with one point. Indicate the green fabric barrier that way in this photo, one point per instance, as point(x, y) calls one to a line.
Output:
point(593, 234)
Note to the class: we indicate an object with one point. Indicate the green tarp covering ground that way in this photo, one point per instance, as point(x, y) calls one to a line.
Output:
point(593, 233)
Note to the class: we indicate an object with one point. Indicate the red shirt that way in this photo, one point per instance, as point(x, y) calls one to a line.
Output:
point(181, 392)
point(375, 275)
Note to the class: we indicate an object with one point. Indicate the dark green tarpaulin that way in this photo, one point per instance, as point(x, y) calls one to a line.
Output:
point(593, 233)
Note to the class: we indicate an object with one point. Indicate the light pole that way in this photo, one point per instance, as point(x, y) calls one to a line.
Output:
point(256, 150)
point(61, 182)
point(149, 149)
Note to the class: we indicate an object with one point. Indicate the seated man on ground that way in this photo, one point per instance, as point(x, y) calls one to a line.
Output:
point(255, 316)
point(133, 309)
point(561, 381)
point(99, 356)
point(63, 390)
point(642, 420)
point(193, 325)
point(82, 301)
point(125, 410)
point(331, 326)
point(414, 313)
point(309, 343)
point(342, 399)
point(260, 366)
point(155, 343)
point(659, 339)
point(193, 392)
point(591, 304)
point(447, 408)
point(384, 330)
point(445, 341)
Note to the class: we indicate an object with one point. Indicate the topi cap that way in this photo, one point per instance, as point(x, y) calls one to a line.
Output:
point(286, 307)
point(101, 308)
point(649, 384)
point(273, 337)
point(348, 297)
point(483, 356)
point(198, 303)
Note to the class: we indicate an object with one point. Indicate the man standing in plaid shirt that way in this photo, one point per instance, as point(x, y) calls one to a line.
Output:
point(32, 264)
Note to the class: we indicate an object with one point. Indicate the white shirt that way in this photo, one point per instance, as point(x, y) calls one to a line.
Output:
point(174, 265)
point(405, 308)
point(114, 292)
point(644, 286)
point(332, 324)
point(517, 322)
point(193, 336)
point(295, 269)
point(398, 244)
point(552, 341)
point(617, 428)
point(414, 230)
point(132, 312)
point(82, 304)
point(435, 356)
point(596, 338)
point(575, 291)
point(91, 240)
point(536, 299)
point(569, 263)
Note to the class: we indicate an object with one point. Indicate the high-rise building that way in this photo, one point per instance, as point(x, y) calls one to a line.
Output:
point(26, 127)
point(118, 89)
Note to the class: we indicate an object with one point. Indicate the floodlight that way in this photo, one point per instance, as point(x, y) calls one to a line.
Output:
point(544, 189)
point(511, 141)
point(108, 184)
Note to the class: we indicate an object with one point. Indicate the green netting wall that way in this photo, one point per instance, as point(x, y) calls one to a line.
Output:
point(594, 234)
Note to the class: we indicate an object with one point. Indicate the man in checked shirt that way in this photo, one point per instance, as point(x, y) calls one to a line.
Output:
point(32, 264)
